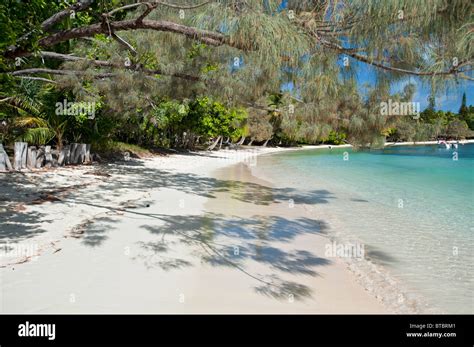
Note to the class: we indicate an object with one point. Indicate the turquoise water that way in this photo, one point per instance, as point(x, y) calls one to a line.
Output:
point(411, 206)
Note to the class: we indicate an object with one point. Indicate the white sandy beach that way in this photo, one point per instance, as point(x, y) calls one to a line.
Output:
point(165, 235)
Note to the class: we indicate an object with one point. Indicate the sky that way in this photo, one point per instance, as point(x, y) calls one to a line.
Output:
point(447, 100)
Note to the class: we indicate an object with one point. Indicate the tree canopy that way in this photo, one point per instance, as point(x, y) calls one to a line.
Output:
point(274, 70)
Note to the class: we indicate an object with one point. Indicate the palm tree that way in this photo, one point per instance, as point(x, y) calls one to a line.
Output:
point(25, 118)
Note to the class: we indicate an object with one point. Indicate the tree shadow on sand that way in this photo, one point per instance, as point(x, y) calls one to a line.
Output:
point(17, 224)
point(221, 241)
point(215, 239)
point(142, 178)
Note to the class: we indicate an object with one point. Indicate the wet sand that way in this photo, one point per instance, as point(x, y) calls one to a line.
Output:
point(279, 246)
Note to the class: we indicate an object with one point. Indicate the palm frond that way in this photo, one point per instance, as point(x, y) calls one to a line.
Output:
point(39, 136)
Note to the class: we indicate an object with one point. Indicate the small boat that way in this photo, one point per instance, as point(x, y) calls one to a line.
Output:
point(444, 144)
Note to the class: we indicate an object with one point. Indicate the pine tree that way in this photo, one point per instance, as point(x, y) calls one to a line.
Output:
point(463, 110)
point(239, 52)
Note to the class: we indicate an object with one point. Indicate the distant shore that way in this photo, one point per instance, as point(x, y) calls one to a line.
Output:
point(388, 144)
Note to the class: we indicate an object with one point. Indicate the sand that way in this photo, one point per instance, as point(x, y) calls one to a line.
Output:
point(179, 234)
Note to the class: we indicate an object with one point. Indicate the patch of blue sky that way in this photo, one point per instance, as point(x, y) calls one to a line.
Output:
point(366, 76)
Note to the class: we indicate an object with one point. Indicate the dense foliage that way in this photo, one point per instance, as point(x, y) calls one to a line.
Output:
point(191, 74)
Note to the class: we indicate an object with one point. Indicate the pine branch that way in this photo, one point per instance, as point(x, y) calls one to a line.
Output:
point(42, 79)
point(454, 70)
point(124, 43)
point(58, 72)
point(105, 63)
point(156, 3)
point(100, 63)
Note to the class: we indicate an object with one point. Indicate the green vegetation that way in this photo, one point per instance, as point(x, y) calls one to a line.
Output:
point(433, 124)
point(185, 74)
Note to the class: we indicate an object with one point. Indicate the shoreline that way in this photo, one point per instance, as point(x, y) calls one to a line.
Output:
point(401, 296)
point(374, 278)
point(389, 144)
point(108, 238)
point(99, 204)
point(335, 287)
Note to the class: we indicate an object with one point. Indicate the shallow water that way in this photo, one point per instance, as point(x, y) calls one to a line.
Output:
point(411, 206)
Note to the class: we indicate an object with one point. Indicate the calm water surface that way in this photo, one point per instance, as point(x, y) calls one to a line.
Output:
point(412, 206)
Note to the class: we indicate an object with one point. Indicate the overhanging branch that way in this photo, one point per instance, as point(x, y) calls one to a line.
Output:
point(99, 63)
point(81, 5)
point(208, 37)
point(454, 70)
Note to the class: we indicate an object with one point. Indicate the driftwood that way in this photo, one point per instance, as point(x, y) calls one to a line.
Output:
point(64, 154)
point(55, 154)
point(20, 155)
point(211, 147)
point(40, 157)
point(4, 160)
point(87, 158)
point(48, 157)
point(43, 156)
point(220, 144)
point(96, 157)
point(79, 153)
point(72, 156)
point(31, 157)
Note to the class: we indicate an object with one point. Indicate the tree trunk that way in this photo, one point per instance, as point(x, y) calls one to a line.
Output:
point(211, 147)
point(20, 155)
point(59, 138)
point(4, 160)
point(241, 141)
point(250, 143)
point(266, 142)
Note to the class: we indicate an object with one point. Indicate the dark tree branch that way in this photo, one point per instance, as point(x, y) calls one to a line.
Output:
point(204, 36)
point(149, 9)
point(80, 5)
